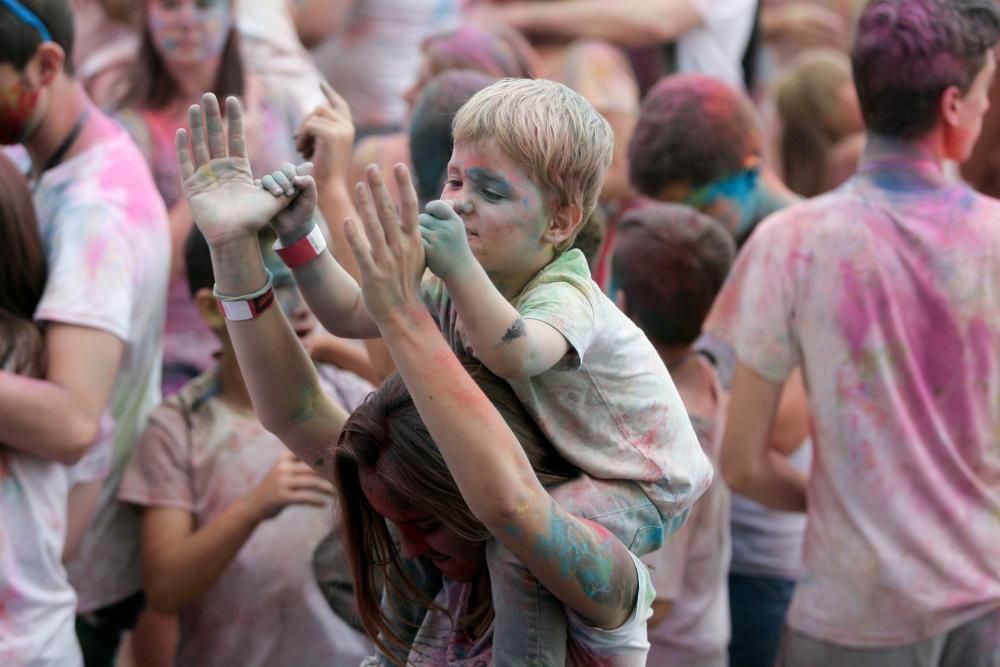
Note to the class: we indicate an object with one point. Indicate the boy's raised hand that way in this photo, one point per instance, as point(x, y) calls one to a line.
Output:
point(445, 242)
point(215, 174)
point(295, 221)
point(387, 247)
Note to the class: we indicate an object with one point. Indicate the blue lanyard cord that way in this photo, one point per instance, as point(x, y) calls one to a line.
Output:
point(28, 17)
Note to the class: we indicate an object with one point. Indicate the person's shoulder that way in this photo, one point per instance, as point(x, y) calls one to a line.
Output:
point(807, 217)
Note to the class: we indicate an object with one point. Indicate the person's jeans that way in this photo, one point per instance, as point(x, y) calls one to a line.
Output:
point(757, 606)
point(100, 632)
point(530, 626)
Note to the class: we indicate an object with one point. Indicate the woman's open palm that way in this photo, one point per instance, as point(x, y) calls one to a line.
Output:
point(216, 177)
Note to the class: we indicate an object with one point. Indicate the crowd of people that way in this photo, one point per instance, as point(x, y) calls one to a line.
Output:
point(499, 332)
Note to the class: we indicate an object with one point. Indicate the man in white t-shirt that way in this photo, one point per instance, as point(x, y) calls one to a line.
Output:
point(883, 293)
point(711, 35)
point(105, 233)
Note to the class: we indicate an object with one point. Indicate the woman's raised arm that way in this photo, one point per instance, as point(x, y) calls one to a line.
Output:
point(230, 209)
point(578, 561)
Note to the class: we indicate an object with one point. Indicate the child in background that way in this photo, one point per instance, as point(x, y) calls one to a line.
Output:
point(38, 602)
point(528, 163)
point(230, 518)
point(669, 263)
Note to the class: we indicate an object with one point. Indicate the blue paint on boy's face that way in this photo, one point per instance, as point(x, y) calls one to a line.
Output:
point(503, 209)
point(739, 191)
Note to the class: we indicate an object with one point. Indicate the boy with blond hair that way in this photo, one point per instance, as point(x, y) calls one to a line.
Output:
point(528, 164)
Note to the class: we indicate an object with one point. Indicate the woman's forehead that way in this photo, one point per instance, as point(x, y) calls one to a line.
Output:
point(388, 502)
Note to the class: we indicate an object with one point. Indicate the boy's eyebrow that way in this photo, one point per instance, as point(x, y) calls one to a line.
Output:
point(487, 177)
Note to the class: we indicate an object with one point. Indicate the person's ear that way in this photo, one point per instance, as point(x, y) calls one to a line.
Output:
point(564, 223)
point(50, 59)
point(951, 106)
point(208, 309)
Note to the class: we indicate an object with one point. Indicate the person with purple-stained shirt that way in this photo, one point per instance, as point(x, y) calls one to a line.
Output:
point(884, 293)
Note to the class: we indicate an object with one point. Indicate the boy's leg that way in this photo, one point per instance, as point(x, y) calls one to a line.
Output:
point(530, 626)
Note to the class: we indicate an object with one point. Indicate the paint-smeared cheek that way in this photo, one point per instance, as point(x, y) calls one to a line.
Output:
point(17, 107)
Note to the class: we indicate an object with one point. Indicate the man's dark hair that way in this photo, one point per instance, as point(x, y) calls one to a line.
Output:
point(906, 53)
point(670, 261)
point(692, 129)
point(20, 41)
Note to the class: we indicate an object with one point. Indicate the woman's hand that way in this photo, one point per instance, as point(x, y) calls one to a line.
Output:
point(215, 175)
point(389, 252)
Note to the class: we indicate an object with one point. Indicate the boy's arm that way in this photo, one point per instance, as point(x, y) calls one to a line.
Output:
point(510, 346)
point(328, 282)
point(58, 418)
point(180, 563)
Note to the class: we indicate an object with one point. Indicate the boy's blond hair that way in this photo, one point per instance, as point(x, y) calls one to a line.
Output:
point(563, 143)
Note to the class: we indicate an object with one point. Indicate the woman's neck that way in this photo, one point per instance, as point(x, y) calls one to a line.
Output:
point(194, 80)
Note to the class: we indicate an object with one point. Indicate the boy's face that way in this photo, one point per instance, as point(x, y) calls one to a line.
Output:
point(503, 209)
point(20, 111)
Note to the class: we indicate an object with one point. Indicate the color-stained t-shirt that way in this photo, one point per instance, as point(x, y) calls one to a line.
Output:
point(691, 568)
point(886, 292)
point(609, 406)
point(199, 455)
point(437, 644)
point(37, 603)
point(272, 117)
point(105, 233)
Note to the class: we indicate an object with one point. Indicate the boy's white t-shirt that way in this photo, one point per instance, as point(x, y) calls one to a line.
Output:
point(716, 48)
point(609, 407)
point(106, 237)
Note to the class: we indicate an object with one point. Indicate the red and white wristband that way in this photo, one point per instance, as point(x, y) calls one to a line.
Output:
point(246, 306)
point(306, 249)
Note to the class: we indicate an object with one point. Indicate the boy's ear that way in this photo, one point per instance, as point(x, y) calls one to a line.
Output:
point(564, 223)
point(209, 310)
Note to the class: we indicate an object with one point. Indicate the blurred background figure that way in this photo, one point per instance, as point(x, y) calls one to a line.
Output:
point(821, 130)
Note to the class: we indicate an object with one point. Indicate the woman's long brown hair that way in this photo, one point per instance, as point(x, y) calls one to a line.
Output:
point(387, 435)
point(22, 273)
point(152, 87)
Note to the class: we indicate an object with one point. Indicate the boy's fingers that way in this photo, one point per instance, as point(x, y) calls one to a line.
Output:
point(213, 121)
point(289, 170)
point(237, 136)
point(269, 184)
point(183, 156)
point(440, 209)
point(370, 219)
point(199, 149)
point(307, 186)
point(409, 206)
point(305, 169)
point(284, 183)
